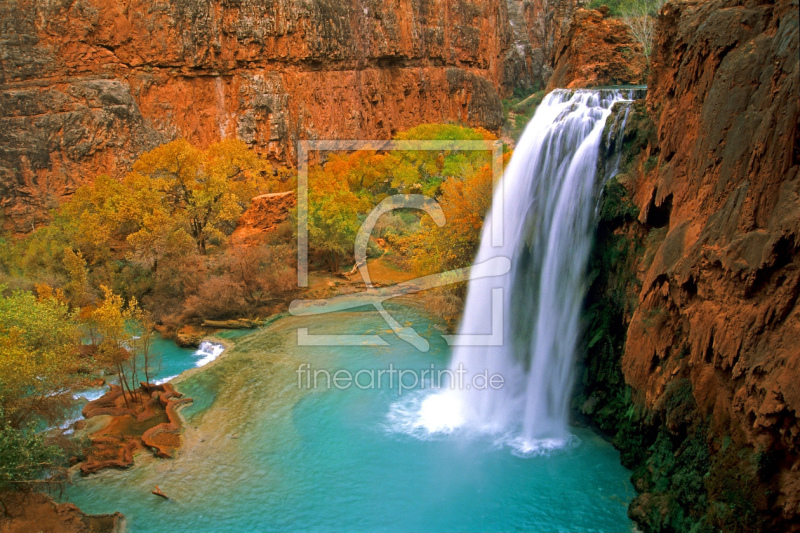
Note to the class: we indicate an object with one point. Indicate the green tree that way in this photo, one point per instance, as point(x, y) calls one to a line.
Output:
point(38, 358)
point(25, 457)
point(425, 170)
point(333, 211)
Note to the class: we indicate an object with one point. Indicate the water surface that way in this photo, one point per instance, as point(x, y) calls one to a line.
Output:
point(262, 454)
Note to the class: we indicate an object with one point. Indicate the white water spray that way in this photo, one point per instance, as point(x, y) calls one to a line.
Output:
point(207, 352)
point(549, 194)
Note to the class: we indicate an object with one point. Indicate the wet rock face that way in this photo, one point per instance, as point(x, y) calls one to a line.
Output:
point(718, 307)
point(86, 86)
point(594, 51)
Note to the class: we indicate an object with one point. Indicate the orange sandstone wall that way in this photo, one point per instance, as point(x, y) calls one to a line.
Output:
point(719, 303)
point(87, 85)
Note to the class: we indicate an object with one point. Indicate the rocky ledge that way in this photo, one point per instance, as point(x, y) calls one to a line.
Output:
point(35, 512)
point(118, 428)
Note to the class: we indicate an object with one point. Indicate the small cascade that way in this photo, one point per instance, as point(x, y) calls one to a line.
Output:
point(207, 352)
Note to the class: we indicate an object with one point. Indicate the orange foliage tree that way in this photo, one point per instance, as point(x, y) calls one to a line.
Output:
point(348, 185)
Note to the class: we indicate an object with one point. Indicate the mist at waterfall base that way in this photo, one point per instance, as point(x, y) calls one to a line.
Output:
point(549, 198)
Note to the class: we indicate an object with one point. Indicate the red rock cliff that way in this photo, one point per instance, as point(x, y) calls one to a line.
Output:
point(718, 308)
point(596, 50)
point(86, 86)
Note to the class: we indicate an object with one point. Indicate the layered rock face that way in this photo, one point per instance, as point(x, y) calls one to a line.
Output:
point(87, 85)
point(537, 26)
point(711, 345)
point(596, 50)
point(724, 97)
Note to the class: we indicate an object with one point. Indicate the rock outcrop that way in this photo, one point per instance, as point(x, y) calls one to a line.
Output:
point(703, 228)
point(130, 426)
point(35, 511)
point(189, 336)
point(265, 214)
point(597, 50)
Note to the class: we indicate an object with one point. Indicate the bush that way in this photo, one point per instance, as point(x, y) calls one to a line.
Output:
point(25, 458)
point(242, 282)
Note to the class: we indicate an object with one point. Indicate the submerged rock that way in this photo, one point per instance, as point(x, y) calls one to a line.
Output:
point(148, 420)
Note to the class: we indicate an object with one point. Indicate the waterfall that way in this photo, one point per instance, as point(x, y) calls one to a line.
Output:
point(549, 194)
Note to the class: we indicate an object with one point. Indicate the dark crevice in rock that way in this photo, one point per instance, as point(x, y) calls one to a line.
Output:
point(658, 215)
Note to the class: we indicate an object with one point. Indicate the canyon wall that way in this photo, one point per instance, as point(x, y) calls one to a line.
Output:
point(596, 50)
point(87, 85)
point(537, 27)
point(698, 374)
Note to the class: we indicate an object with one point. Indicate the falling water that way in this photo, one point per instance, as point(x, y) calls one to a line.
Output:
point(549, 194)
point(207, 352)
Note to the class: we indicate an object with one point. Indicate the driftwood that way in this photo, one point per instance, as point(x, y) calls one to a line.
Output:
point(158, 492)
point(355, 269)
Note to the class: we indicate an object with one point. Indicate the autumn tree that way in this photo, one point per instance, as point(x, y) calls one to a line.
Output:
point(98, 217)
point(111, 318)
point(24, 457)
point(207, 190)
point(425, 170)
point(143, 333)
point(465, 202)
point(125, 339)
point(39, 341)
point(77, 287)
point(262, 273)
point(349, 185)
point(333, 210)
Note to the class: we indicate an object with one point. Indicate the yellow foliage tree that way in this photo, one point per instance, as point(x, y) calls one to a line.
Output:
point(125, 334)
point(465, 202)
point(39, 341)
point(77, 287)
point(206, 190)
point(109, 319)
point(333, 211)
